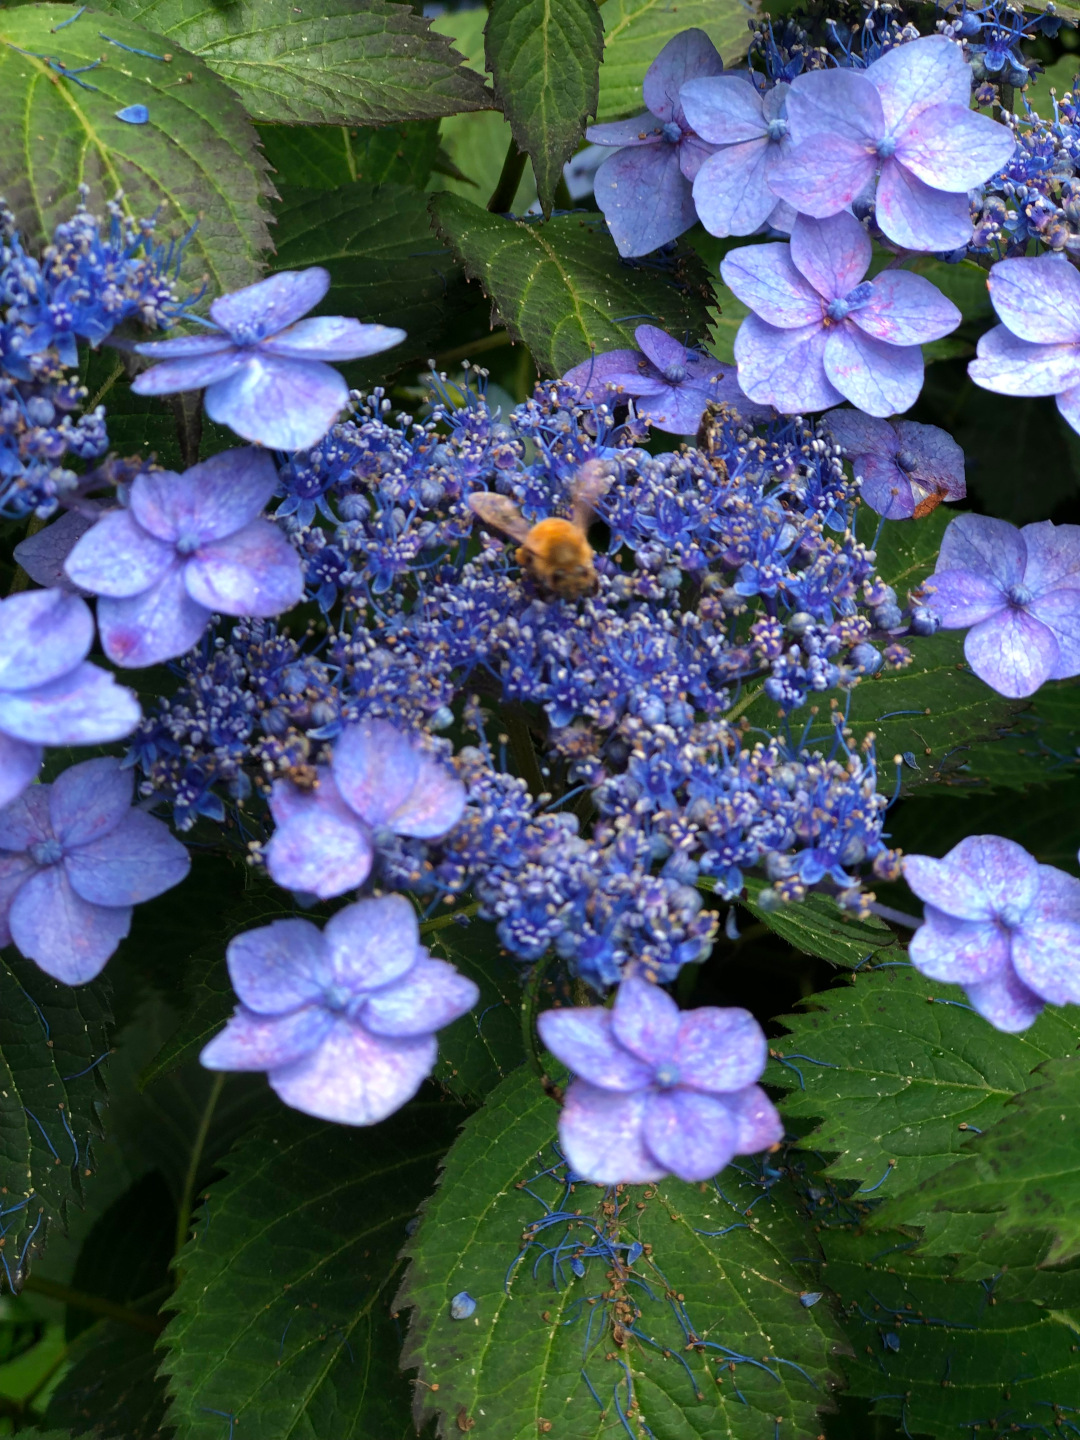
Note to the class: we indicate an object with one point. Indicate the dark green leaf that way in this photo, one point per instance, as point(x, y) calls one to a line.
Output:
point(481, 1048)
point(197, 153)
point(125, 1258)
point(111, 1391)
point(817, 926)
point(933, 820)
point(322, 157)
point(323, 61)
point(562, 288)
point(283, 1299)
point(1042, 748)
point(545, 58)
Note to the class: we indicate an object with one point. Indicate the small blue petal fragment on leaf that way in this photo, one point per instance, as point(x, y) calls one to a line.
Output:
point(635, 1252)
point(891, 1340)
point(462, 1306)
point(134, 114)
point(810, 1297)
point(577, 1265)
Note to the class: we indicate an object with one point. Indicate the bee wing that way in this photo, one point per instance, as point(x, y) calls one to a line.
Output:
point(592, 482)
point(500, 513)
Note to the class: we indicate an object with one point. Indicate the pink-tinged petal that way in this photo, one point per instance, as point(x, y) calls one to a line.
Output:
point(1053, 556)
point(692, 1136)
point(961, 952)
point(356, 1078)
point(431, 995)
point(824, 174)
point(731, 190)
point(918, 217)
point(952, 147)
point(279, 966)
point(643, 129)
point(388, 781)
point(254, 572)
point(282, 404)
point(15, 870)
point(999, 871)
point(373, 943)
point(43, 634)
point(26, 820)
point(659, 347)
point(693, 153)
point(1038, 299)
point(1005, 1001)
point(723, 109)
point(757, 1124)
point(784, 368)
point(859, 434)
point(67, 936)
point(719, 1049)
point(985, 546)
point(86, 707)
point(1068, 404)
point(269, 305)
point(157, 625)
point(583, 1039)
point(833, 254)
point(1011, 366)
point(267, 1042)
point(195, 373)
point(207, 502)
point(1013, 652)
point(765, 278)
point(600, 1133)
point(1060, 613)
point(880, 379)
point(19, 764)
point(132, 863)
point(319, 854)
point(963, 598)
point(906, 310)
point(118, 558)
point(90, 799)
point(646, 199)
point(332, 337)
point(185, 347)
point(42, 556)
point(1045, 957)
point(288, 800)
point(911, 78)
point(842, 103)
point(690, 55)
point(645, 1019)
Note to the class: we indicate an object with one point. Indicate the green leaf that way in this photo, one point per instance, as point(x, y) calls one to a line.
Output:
point(817, 926)
point(635, 31)
point(283, 1316)
point(1042, 748)
point(1059, 76)
point(126, 1255)
point(322, 157)
point(481, 1048)
point(516, 1363)
point(545, 57)
point(562, 288)
point(934, 819)
point(197, 154)
point(111, 1390)
point(323, 61)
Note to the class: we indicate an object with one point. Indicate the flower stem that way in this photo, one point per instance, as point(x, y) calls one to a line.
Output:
point(93, 1304)
point(502, 197)
point(183, 1218)
point(898, 917)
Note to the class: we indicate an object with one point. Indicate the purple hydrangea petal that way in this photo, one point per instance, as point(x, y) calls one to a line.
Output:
point(678, 411)
point(19, 764)
point(1068, 404)
point(596, 371)
point(132, 863)
point(723, 109)
point(67, 936)
point(600, 1132)
point(584, 1040)
point(906, 309)
point(254, 572)
point(1046, 944)
point(824, 174)
point(185, 347)
point(332, 337)
point(643, 129)
point(918, 217)
point(320, 853)
point(645, 1019)
point(952, 147)
point(1005, 1001)
point(1038, 299)
point(940, 458)
point(44, 634)
point(282, 404)
point(373, 943)
point(26, 820)
point(356, 1078)
point(765, 278)
point(980, 876)
point(86, 707)
point(1053, 556)
point(88, 800)
point(1013, 652)
point(757, 1123)
point(43, 555)
point(192, 373)
point(118, 558)
point(880, 379)
point(659, 347)
point(860, 434)
point(1060, 613)
point(784, 368)
point(833, 254)
point(1011, 366)
point(960, 952)
point(646, 199)
point(911, 78)
point(726, 390)
point(15, 870)
point(985, 546)
point(692, 1136)
point(835, 102)
point(693, 152)
point(885, 487)
point(962, 598)
point(732, 191)
point(157, 625)
point(690, 55)
point(288, 800)
point(267, 1042)
point(719, 1049)
point(431, 995)
point(208, 502)
point(278, 966)
point(388, 781)
point(269, 305)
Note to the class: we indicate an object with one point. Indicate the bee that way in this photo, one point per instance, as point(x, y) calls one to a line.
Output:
point(555, 552)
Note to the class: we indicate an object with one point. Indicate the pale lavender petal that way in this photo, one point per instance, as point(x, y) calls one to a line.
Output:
point(132, 863)
point(645, 1019)
point(88, 800)
point(940, 459)
point(646, 199)
point(282, 404)
point(1068, 404)
point(373, 943)
point(686, 56)
point(986, 546)
point(833, 254)
point(659, 347)
point(918, 217)
point(963, 598)
point(824, 174)
point(784, 368)
point(1005, 1001)
point(388, 781)
point(279, 966)
point(723, 109)
point(67, 936)
point(596, 371)
point(431, 995)
point(719, 1049)
point(319, 853)
point(886, 489)
point(43, 634)
point(42, 556)
point(843, 103)
point(172, 376)
point(86, 707)
point(643, 129)
point(1007, 874)
point(906, 309)
point(269, 305)
point(1060, 613)
point(26, 820)
point(207, 502)
point(948, 886)
point(332, 337)
point(19, 764)
point(910, 78)
point(583, 1039)
point(254, 572)
point(288, 800)
point(726, 390)
point(1053, 556)
point(692, 1136)
point(961, 952)
point(186, 347)
point(758, 1125)
point(157, 625)
point(765, 278)
point(693, 153)
point(1038, 299)
point(731, 190)
point(267, 1042)
point(860, 434)
point(677, 411)
point(15, 870)
point(600, 1133)
point(1011, 366)
point(953, 147)
point(1013, 652)
point(880, 379)
point(118, 558)
point(1046, 947)
point(356, 1078)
